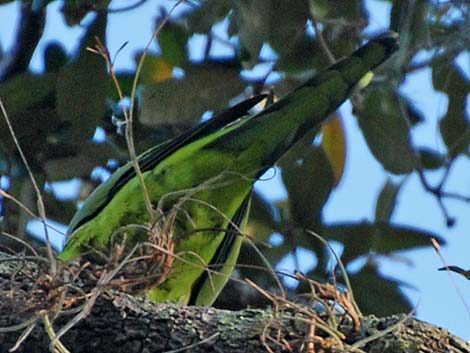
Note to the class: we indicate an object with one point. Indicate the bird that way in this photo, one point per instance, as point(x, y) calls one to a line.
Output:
point(204, 178)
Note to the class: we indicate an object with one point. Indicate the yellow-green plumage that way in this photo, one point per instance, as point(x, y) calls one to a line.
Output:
point(208, 174)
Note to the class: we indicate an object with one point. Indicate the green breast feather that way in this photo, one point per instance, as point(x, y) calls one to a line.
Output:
point(206, 176)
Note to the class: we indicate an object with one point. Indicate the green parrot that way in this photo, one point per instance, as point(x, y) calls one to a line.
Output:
point(205, 177)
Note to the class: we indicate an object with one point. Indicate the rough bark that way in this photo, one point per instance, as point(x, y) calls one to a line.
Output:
point(124, 324)
point(117, 322)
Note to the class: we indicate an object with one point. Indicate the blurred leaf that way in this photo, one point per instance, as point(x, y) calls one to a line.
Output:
point(253, 19)
point(278, 22)
point(126, 80)
point(454, 126)
point(155, 69)
point(386, 131)
point(309, 182)
point(38, 5)
point(262, 221)
point(344, 9)
point(172, 39)
point(54, 57)
point(431, 159)
point(386, 201)
point(414, 115)
point(83, 85)
point(408, 18)
point(287, 23)
point(334, 144)
point(90, 156)
point(381, 238)
point(302, 55)
point(76, 10)
point(177, 102)
point(378, 295)
point(210, 12)
point(37, 123)
point(25, 90)
point(449, 78)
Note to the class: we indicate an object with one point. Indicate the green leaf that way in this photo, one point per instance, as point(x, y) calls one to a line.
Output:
point(209, 13)
point(126, 80)
point(262, 221)
point(278, 22)
point(26, 90)
point(454, 126)
point(414, 115)
point(431, 159)
point(344, 9)
point(381, 238)
point(309, 182)
point(90, 156)
point(54, 57)
point(172, 39)
point(302, 55)
point(76, 10)
point(372, 290)
point(179, 102)
point(386, 201)
point(83, 85)
point(253, 20)
point(386, 130)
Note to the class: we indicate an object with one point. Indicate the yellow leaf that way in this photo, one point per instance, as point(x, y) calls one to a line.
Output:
point(334, 144)
point(156, 69)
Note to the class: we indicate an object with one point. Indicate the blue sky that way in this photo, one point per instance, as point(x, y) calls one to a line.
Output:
point(436, 296)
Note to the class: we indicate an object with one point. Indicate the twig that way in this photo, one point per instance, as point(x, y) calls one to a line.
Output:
point(127, 8)
point(23, 336)
point(130, 117)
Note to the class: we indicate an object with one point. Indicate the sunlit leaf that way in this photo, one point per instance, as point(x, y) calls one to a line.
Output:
point(334, 144)
point(155, 69)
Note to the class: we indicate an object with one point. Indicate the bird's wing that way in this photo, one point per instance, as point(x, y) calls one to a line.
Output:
point(210, 283)
point(149, 159)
